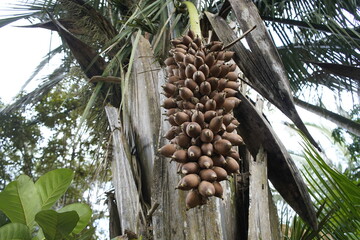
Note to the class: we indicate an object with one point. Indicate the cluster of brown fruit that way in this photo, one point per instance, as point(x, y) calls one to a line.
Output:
point(200, 91)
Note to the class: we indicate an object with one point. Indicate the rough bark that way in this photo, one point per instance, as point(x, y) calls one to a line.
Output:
point(123, 180)
point(282, 171)
point(260, 224)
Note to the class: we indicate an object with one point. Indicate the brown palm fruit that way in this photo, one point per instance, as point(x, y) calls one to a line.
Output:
point(206, 189)
point(215, 70)
point(171, 111)
point(169, 88)
point(173, 79)
point(210, 59)
point(228, 105)
point(205, 88)
point(228, 55)
point(200, 107)
point(180, 156)
point(222, 146)
point(199, 77)
point(190, 167)
point(183, 140)
point(236, 122)
point(230, 92)
point(219, 191)
point(208, 115)
point(234, 138)
point(231, 127)
point(219, 98)
point(232, 166)
point(234, 154)
point(207, 149)
point(169, 103)
point(231, 76)
point(193, 129)
point(167, 150)
point(198, 61)
point(185, 93)
point(228, 118)
point(224, 69)
point(194, 199)
point(190, 70)
point(205, 69)
point(206, 135)
point(210, 105)
point(219, 160)
point(188, 182)
point(191, 84)
point(198, 117)
point(201, 93)
point(215, 124)
point(208, 175)
point(205, 162)
point(171, 133)
point(222, 84)
point(232, 67)
point(194, 152)
point(232, 84)
point(220, 173)
point(181, 117)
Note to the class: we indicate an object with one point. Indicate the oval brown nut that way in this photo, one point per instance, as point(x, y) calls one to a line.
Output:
point(169, 103)
point(194, 199)
point(180, 156)
point(193, 129)
point(208, 175)
point(220, 173)
point(206, 189)
point(188, 182)
point(206, 135)
point(222, 146)
point(205, 162)
point(207, 149)
point(167, 150)
point(194, 152)
point(190, 70)
point(190, 167)
point(219, 191)
point(232, 166)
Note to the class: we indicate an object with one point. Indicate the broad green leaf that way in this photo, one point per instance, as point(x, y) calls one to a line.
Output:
point(15, 231)
point(84, 212)
point(20, 201)
point(56, 225)
point(52, 185)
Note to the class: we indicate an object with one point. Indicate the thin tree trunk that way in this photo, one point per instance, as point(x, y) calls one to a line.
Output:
point(341, 121)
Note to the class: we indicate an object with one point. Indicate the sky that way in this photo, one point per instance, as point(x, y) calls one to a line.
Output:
point(21, 50)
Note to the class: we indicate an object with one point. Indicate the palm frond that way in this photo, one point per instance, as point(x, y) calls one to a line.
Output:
point(36, 95)
point(327, 31)
point(41, 65)
point(336, 198)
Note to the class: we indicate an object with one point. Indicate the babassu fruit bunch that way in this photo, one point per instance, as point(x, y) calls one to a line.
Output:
point(200, 96)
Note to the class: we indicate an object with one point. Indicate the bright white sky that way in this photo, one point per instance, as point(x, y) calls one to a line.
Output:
point(21, 50)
